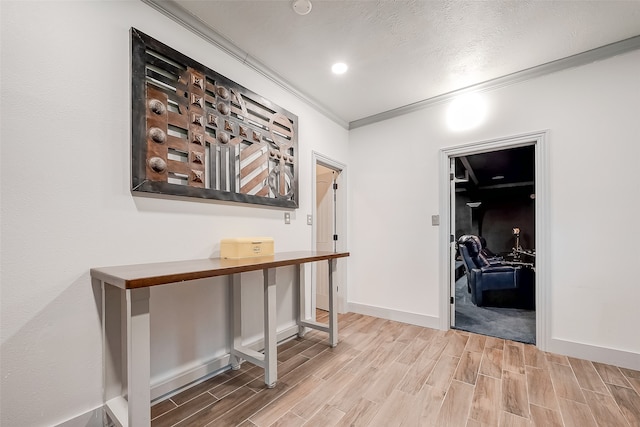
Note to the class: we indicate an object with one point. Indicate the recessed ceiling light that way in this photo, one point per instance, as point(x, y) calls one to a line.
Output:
point(497, 177)
point(302, 7)
point(339, 68)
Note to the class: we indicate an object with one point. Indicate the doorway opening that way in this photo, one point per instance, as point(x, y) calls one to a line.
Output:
point(326, 232)
point(329, 228)
point(493, 217)
point(476, 198)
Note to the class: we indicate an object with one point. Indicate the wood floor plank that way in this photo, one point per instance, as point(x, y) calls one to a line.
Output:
point(557, 359)
point(413, 350)
point(630, 373)
point(349, 396)
point(508, 419)
point(360, 414)
point(468, 367)
point(635, 383)
point(431, 399)
point(184, 411)
point(513, 358)
point(289, 420)
point(493, 342)
point(217, 409)
point(426, 334)
point(455, 407)
point(575, 414)
point(545, 417)
point(391, 331)
point(398, 409)
point(540, 388)
point(611, 374)
point(306, 369)
point(436, 347)
point(476, 343)
point(296, 349)
point(604, 409)
point(514, 394)
point(315, 350)
point(207, 385)
point(374, 351)
point(534, 357)
point(417, 375)
point(385, 381)
point(233, 384)
point(335, 365)
point(411, 332)
point(587, 376)
point(250, 406)
point(442, 373)
point(327, 416)
point(565, 382)
point(628, 401)
point(457, 342)
point(162, 407)
point(486, 406)
point(371, 327)
point(312, 402)
point(388, 353)
point(491, 363)
point(474, 423)
point(278, 408)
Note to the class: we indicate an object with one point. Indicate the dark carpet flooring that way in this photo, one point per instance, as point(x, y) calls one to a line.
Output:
point(509, 323)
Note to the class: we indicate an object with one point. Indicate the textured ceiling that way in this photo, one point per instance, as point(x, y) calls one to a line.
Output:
point(402, 52)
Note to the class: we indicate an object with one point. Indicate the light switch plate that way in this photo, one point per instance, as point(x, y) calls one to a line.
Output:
point(287, 218)
point(309, 220)
point(435, 219)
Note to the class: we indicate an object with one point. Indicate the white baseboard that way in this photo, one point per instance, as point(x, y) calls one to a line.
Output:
point(621, 358)
point(396, 315)
point(192, 376)
point(93, 418)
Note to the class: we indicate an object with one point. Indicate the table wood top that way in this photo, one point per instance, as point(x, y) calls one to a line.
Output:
point(161, 273)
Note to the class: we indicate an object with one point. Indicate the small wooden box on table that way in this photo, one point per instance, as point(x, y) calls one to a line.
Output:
point(125, 320)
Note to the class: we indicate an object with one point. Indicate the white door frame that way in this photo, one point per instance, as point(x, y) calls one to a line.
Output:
point(539, 139)
point(341, 227)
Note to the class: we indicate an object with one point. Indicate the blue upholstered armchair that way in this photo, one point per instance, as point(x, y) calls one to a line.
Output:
point(483, 275)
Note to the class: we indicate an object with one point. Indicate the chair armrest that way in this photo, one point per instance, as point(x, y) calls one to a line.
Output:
point(498, 269)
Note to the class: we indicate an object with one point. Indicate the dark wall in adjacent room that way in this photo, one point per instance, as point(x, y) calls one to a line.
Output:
point(500, 211)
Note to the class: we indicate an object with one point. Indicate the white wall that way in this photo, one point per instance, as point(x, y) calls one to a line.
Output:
point(591, 113)
point(66, 205)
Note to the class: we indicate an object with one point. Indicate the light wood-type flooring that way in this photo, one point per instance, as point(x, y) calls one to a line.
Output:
point(385, 373)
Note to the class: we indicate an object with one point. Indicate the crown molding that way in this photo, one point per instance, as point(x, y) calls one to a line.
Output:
point(576, 60)
point(175, 12)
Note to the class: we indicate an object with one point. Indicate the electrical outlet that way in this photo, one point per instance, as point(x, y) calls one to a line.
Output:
point(309, 220)
point(287, 218)
point(435, 219)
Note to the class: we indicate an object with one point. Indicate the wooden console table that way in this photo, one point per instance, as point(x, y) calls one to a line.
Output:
point(125, 320)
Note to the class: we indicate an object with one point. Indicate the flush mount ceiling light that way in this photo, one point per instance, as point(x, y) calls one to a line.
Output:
point(302, 7)
point(497, 177)
point(339, 68)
